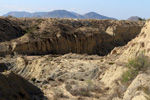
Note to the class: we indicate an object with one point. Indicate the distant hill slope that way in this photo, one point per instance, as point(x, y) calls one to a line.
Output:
point(93, 15)
point(38, 14)
point(134, 18)
point(58, 14)
point(24, 14)
point(78, 15)
point(18, 14)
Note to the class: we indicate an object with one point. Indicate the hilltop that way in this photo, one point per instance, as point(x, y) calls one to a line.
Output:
point(134, 18)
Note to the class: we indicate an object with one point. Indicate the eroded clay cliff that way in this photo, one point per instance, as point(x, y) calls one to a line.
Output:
point(61, 36)
point(136, 46)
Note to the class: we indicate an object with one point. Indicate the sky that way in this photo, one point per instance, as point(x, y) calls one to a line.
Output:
point(120, 9)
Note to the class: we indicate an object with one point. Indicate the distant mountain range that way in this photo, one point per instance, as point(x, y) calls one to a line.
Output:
point(58, 14)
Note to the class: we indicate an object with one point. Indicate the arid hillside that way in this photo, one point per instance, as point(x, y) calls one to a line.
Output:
point(66, 59)
point(62, 36)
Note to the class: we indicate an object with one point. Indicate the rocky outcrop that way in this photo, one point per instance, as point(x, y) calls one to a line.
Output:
point(76, 43)
point(14, 87)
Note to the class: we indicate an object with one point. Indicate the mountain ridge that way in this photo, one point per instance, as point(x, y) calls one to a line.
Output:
point(60, 14)
point(57, 14)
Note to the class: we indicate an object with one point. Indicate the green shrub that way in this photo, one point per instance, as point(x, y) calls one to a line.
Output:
point(141, 19)
point(139, 63)
point(31, 29)
point(111, 63)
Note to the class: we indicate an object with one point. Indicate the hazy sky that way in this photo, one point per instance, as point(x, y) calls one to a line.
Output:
point(120, 9)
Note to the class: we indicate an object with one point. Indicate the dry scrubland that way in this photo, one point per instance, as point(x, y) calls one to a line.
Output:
point(67, 59)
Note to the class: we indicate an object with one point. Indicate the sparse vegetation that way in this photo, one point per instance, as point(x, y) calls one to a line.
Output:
point(139, 63)
point(58, 93)
point(9, 16)
point(102, 60)
point(40, 56)
point(111, 63)
point(33, 80)
point(86, 89)
point(31, 29)
point(45, 86)
point(140, 19)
